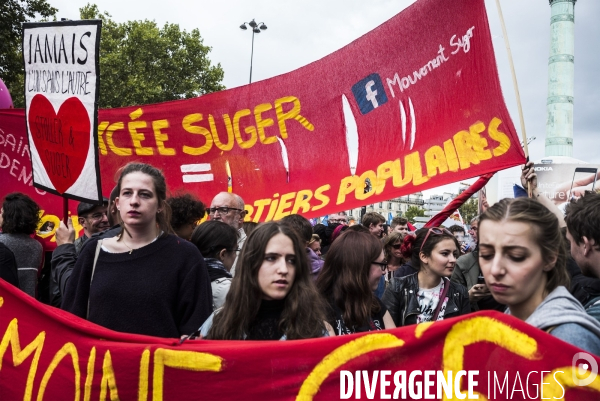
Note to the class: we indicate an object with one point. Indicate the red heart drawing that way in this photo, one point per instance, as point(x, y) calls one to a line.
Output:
point(62, 139)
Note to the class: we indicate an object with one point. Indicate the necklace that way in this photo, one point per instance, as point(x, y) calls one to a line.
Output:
point(125, 243)
point(121, 237)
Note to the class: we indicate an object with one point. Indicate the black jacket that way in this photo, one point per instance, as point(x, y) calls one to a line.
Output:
point(8, 266)
point(400, 297)
point(63, 261)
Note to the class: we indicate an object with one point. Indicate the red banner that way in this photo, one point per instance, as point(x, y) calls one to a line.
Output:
point(49, 354)
point(414, 104)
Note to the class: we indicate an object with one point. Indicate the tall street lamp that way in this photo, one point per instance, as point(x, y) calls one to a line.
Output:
point(256, 28)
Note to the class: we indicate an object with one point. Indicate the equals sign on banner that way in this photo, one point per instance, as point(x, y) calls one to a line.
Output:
point(202, 168)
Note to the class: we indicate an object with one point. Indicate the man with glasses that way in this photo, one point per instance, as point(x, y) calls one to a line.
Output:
point(229, 208)
point(338, 218)
point(93, 219)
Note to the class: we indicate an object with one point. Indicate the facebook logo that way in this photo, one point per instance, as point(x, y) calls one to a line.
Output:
point(369, 93)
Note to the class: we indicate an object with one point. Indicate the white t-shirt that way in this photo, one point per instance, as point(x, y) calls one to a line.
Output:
point(428, 302)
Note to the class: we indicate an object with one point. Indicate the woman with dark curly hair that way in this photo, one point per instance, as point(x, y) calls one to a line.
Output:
point(19, 219)
point(186, 211)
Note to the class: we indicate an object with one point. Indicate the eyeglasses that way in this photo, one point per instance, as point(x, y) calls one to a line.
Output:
point(383, 265)
point(98, 216)
point(397, 246)
point(222, 210)
point(436, 231)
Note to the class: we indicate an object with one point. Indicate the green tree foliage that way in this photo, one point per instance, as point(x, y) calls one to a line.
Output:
point(412, 212)
point(12, 14)
point(141, 63)
point(468, 210)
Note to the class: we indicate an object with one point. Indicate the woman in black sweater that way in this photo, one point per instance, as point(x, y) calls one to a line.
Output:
point(145, 280)
point(272, 296)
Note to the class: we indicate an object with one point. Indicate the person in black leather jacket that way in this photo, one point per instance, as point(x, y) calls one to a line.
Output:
point(427, 295)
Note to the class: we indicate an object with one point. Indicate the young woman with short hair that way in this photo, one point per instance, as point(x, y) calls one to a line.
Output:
point(217, 242)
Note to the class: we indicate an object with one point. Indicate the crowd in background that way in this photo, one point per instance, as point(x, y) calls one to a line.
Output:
point(151, 264)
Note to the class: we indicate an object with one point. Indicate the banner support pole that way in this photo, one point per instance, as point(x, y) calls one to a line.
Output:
point(514, 78)
point(66, 211)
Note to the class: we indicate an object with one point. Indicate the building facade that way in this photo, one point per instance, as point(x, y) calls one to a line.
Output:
point(394, 207)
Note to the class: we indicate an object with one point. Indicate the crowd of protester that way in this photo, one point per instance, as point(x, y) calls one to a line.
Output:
point(171, 267)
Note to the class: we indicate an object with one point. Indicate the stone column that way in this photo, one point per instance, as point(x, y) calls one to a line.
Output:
point(561, 77)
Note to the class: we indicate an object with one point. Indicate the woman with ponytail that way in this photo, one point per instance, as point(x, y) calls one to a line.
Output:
point(145, 280)
point(428, 295)
point(522, 255)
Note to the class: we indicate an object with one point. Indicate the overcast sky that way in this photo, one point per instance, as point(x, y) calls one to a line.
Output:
point(301, 32)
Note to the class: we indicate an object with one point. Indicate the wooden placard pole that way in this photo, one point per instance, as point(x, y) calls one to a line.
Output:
point(516, 86)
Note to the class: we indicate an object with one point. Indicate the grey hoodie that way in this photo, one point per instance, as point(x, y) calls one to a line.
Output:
point(562, 312)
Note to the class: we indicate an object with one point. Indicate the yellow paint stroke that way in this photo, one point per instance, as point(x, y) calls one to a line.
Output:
point(143, 380)
point(421, 328)
point(108, 379)
point(186, 360)
point(561, 379)
point(484, 329)
point(11, 337)
point(67, 349)
point(342, 355)
point(87, 389)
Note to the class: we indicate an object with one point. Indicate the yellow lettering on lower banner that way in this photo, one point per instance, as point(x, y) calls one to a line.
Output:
point(89, 379)
point(480, 329)
point(186, 360)
point(67, 349)
point(11, 336)
point(342, 355)
point(556, 383)
point(108, 379)
point(143, 380)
